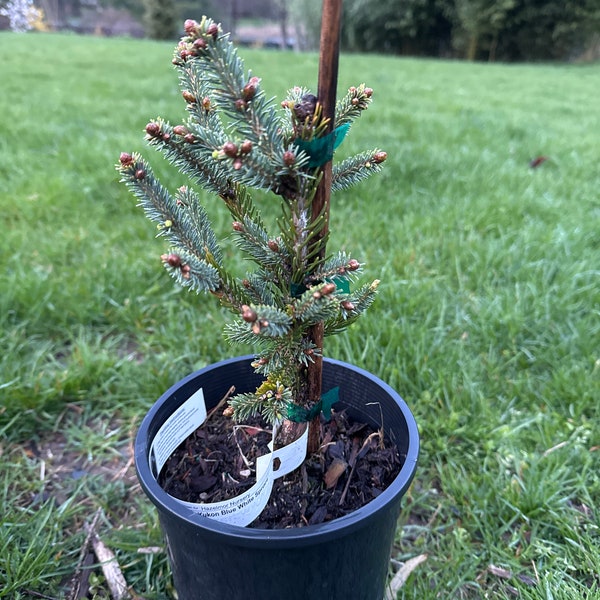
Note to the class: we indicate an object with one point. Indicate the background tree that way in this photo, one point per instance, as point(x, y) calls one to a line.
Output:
point(160, 19)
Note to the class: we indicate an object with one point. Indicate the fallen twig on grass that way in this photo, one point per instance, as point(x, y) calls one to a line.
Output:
point(79, 581)
point(110, 567)
point(402, 574)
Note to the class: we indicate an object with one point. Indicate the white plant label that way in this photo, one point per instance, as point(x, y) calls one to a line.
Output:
point(242, 509)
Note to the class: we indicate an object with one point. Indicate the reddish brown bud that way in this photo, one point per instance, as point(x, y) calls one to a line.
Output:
point(347, 305)
point(237, 164)
point(248, 314)
point(206, 103)
point(328, 288)
point(180, 130)
point(240, 105)
point(250, 89)
point(273, 245)
point(173, 260)
point(317, 295)
point(153, 129)
point(188, 96)
point(230, 149)
point(185, 271)
point(237, 226)
point(189, 138)
point(352, 265)
point(289, 158)
point(228, 412)
point(213, 29)
point(246, 283)
point(190, 26)
point(368, 92)
point(355, 101)
point(126, 159)
point(246, 147)
point(140, 174)
point(200, 44)
point(379, 157)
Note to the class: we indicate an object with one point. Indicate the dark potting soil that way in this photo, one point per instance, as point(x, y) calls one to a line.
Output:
point(217, 462)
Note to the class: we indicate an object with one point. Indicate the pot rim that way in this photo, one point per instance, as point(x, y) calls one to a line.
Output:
point(280, 537)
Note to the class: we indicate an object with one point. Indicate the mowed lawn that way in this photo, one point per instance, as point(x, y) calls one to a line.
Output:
point(488, 320)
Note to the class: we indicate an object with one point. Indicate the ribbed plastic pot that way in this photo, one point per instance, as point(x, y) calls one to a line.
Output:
point(344, 559)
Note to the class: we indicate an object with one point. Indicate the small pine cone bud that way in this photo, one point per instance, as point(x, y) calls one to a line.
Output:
point(355, 101)
point(309, 352)
point(248, 314)
point(368, 92)
point(328, 288)
point(352, 265)
point(228, 412)
point(153, 129)
point(347, 305)
point(240, 105)
point(173, 260)
point(189, 138)
point(213, 30)
point(126, 159)
point(185, 271)
point(306, 107)
point(352, 89)
point(246, 283)
point(289, 158)
point(200, 44)
point(230, 149)
point(188, 96)
point(140, 174)
point(237, 226)
point(206, 103)
point(379, 157)
point(246, 147)
point(237, 164)
point(317, 295)
point(190, 26)
point(273, 245)
point(180, 130)
point(250, 89)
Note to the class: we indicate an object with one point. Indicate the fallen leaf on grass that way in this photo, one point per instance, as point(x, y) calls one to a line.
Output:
point(402, 574)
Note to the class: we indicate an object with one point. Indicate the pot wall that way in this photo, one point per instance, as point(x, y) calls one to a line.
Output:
point(345, 559)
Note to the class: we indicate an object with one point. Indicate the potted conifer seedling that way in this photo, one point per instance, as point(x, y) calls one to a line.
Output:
point(278, 475)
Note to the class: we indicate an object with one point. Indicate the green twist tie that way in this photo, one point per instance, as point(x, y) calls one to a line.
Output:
point(299, 414)
point(320, 150)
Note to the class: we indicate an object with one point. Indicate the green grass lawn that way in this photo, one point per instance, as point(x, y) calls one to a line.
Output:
point(488, 321)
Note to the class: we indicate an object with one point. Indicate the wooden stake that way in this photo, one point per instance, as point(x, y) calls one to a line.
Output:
point(328, 74)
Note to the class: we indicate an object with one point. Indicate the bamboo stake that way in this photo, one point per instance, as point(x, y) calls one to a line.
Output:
point(331, 18)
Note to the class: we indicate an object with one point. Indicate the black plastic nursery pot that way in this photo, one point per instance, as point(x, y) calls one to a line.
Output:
point(344, 559)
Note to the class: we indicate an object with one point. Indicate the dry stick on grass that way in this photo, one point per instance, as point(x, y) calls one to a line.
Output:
point(79, 581)
point(110, 567)
point(401, 576)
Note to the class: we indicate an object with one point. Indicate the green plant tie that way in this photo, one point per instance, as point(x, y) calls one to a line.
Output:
point(320, 150)
point(299, 414)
